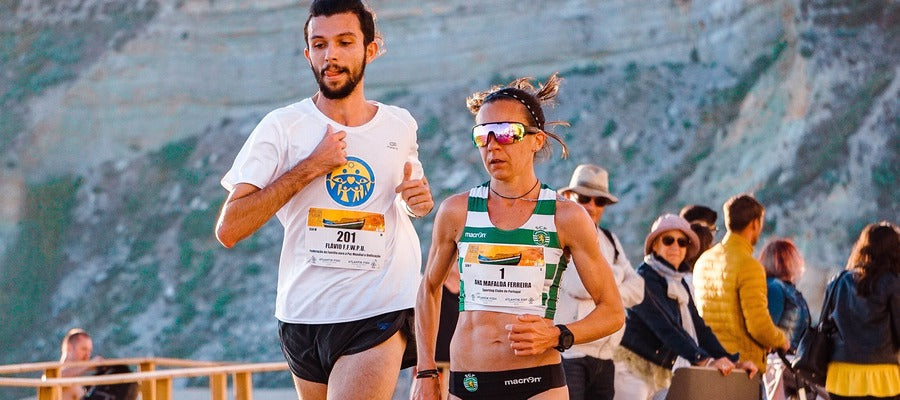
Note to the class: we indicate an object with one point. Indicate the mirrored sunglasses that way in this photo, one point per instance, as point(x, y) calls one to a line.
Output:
point(598, 201)
point(504, 132)
point(668, 240)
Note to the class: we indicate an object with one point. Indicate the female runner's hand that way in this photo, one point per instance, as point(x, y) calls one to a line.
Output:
point(532, 335)
point(426, 389)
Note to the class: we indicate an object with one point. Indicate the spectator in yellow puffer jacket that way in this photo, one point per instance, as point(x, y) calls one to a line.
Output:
point(730, 286)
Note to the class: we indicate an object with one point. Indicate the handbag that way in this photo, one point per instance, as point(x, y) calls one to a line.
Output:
point(119, 391)
point(815, 348)
point(793, 386)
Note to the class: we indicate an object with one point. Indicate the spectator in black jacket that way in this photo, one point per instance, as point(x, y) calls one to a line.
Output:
point(665, 332)
point(864, 362)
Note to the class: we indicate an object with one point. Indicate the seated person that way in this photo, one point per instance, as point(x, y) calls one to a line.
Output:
point(76, 346)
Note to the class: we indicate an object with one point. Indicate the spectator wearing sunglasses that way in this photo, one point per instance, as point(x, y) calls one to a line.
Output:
point(589, 367)
point(730, 286)
point(701, 215)
point(511, 238)
point(703, 223)
point(665, 332)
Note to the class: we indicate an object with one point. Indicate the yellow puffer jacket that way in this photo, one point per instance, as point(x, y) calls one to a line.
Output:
point(730, 293)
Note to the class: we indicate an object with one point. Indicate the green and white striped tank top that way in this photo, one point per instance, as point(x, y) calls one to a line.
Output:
point(510, 271)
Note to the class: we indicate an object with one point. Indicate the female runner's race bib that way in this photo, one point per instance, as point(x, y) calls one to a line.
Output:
point(346, 239)
point(503, 275)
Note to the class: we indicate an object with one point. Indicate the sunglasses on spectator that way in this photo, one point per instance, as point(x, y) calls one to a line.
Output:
point(598, 201)
point(712, 228)
point(504, 132)
point(668, 240)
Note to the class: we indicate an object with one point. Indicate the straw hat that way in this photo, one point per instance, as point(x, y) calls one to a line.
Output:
point(672, 222)
point(590, 180)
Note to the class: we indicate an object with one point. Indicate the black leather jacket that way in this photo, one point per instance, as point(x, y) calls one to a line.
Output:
point(868, 327)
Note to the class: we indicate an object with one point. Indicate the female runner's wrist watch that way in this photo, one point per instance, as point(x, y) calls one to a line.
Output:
point(566, 338)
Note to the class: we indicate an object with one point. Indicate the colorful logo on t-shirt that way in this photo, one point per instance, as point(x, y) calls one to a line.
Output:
point(352, 183)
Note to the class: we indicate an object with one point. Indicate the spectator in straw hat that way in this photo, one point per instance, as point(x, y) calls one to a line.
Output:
point(589, 368)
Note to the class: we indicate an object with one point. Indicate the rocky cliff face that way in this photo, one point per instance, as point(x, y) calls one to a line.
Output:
point(203, 60)
point(114, 173)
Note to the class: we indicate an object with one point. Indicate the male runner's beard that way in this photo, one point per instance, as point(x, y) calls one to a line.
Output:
point(344, 90)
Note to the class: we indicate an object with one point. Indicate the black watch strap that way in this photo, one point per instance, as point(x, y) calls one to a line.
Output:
point(566, 338)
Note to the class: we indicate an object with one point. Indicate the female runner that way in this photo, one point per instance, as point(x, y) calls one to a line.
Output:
point(510, 239)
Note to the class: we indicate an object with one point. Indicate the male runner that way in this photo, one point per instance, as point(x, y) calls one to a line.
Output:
point(330, 167)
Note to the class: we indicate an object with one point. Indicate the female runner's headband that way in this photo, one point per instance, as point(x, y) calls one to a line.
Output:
point(527, 100)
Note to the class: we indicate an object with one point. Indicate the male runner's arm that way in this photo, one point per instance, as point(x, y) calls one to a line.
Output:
point(631, 288)
point(248, 207)
point(448, 225)
point(534, 335)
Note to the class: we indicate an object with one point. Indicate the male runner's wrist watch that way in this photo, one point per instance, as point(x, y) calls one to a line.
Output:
point(566, 338)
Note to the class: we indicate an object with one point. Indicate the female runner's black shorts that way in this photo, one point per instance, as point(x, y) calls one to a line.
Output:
point(509, 385)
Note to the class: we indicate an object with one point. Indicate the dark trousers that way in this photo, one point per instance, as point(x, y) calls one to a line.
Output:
point(590, 378)
point(836, 397)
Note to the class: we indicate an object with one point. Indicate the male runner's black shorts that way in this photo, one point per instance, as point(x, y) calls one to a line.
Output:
point(311, 350)
point(509, 385)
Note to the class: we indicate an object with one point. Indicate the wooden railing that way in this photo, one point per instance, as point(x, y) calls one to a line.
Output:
point(155, 384)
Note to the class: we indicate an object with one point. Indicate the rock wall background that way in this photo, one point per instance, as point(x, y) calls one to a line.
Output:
point(118, 119)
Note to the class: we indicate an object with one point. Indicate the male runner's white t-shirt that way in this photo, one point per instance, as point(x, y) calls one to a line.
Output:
point(350, 251)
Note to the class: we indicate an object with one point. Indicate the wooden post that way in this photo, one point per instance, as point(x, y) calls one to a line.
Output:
point(148, 388)
point(52, 392)
point(243, 386)
point(164, 389)
point(444, 370)
point(218, 387)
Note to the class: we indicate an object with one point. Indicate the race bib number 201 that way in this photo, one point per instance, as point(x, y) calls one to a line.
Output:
point(346, 239)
